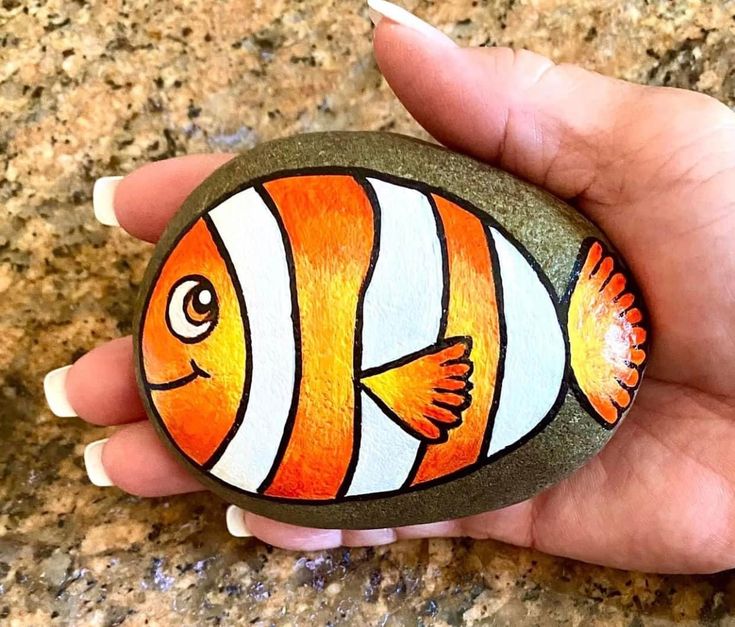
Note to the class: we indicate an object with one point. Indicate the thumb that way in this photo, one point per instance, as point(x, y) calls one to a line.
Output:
point(575, 132)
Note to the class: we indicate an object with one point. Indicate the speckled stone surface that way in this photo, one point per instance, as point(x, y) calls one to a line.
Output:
point(89, 89)
point(549, 231)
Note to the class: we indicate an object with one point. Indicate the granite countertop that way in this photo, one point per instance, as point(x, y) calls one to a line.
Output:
point(91, 89)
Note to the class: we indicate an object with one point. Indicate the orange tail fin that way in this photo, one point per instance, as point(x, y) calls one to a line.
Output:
point(426, 392)
point(608, 335)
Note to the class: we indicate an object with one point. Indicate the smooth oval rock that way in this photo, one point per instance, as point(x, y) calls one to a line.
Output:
point(363, 330)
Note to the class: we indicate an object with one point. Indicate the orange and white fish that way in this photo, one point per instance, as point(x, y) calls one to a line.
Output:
point(322, 337)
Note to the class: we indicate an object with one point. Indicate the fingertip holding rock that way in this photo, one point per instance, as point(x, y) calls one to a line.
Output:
point(93, 464)
point(54, 388)
point(369, 537)
point(103, 199)
point(379, 9)
point(236, 525)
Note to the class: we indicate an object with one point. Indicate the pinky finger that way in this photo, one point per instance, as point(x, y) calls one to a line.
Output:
point(293, 537)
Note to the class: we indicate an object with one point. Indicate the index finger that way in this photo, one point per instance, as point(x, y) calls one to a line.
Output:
point(143, 201)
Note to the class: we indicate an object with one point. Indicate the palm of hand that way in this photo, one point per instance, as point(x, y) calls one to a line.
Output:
point(661, 495)
point(655, 169)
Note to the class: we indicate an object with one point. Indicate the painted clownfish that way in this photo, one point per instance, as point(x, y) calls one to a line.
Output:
point(320, 337)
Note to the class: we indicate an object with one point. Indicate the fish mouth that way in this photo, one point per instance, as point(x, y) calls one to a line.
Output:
point(195, 373)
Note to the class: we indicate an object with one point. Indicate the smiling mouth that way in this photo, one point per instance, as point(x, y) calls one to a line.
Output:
point(195, 373)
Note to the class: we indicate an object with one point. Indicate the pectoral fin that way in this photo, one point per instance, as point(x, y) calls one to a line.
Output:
point(425, 392)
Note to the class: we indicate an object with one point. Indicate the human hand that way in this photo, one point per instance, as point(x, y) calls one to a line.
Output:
point(655, 169)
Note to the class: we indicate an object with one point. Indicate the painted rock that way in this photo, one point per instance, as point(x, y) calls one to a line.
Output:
point(364, 330)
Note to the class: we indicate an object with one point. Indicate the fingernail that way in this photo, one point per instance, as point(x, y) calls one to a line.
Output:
point(54, 387)
point(379, 9)
point(93, 463)
point(103, 199)
point(236, 522)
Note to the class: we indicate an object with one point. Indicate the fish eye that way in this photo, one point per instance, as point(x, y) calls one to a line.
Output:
point(192, 311)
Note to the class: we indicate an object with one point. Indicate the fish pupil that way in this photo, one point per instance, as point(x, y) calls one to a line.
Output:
point(201, 299)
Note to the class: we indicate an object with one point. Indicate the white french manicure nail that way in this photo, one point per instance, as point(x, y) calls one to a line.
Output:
point(54, 387)
point(93, 463)
point(103, 199)
point(379, 9)
point(236, 522)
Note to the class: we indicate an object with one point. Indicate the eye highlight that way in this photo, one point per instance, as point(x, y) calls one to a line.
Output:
point(193, 310)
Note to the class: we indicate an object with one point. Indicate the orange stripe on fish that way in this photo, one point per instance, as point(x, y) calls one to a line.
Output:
point(473, 312)
point(329, 221)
